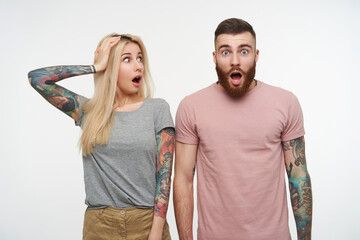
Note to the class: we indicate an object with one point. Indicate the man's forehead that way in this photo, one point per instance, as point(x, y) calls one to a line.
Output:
point(235, 39)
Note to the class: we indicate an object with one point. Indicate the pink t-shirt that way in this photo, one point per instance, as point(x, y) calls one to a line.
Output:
point(240, 162)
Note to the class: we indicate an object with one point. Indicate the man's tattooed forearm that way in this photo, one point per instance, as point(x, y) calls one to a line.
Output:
point(289, 170)
point(301, 200)
point(165, 143)
point(300, 186)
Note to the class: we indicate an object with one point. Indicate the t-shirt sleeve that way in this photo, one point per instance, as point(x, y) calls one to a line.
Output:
point(79, 122)
point(185, 124)
point(295, 124)
point(163, 117)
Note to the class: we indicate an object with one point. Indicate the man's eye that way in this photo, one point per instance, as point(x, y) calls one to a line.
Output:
point(226, 52)
point(139, 59)
point(244, 51)
point(126, 59)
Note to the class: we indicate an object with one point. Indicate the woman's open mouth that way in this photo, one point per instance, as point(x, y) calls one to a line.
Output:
point(136, 81)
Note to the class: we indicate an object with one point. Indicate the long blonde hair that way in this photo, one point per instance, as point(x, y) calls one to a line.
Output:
point(99, 110)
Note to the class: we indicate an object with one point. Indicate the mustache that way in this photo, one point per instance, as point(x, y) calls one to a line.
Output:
point(236, 69)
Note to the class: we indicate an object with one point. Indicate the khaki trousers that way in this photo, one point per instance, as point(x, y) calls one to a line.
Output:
point(120, 224)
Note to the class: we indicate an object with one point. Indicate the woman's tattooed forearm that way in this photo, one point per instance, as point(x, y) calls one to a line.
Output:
point(165, 143)
point(43, 81)
point(50, 75)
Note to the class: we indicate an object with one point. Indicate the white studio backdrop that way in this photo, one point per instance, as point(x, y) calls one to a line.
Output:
point(308, 47)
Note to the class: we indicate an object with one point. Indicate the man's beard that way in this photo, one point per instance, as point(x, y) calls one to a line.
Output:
point(242, 88)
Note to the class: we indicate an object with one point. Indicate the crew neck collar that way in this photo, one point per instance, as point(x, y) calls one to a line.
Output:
point(247, 94)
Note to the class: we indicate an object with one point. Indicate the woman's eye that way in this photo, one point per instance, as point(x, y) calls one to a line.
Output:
point(226, 52)
point(126, 59)
point(244, 51)
point(139, 59)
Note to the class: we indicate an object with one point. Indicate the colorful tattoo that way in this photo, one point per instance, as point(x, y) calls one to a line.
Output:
point(43, 81)
point(300, 187)
point(165, 142)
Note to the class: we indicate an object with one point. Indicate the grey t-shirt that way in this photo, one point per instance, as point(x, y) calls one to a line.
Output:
point(122, 173)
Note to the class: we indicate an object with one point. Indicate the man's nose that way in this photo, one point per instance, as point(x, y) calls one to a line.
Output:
point(235, 61)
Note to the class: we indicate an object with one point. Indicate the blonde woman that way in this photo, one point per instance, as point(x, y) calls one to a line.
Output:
point(127, 140)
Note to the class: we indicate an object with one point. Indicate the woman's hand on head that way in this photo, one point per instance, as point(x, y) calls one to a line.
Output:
point(102, 53)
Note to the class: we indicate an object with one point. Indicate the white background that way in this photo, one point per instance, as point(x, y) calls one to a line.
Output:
point(308, 47)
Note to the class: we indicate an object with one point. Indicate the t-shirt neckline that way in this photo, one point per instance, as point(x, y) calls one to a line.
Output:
point(141, 106)
point(251, 92)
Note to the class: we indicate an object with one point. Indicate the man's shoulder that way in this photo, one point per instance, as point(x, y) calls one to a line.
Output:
point(197, 100)
point(275, 90)
point(201, 94)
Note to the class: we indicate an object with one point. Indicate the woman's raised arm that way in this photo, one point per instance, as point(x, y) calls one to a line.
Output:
point(43, 81)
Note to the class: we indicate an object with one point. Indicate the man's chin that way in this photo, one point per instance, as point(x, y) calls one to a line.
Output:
point(235, 85)
point(233, 91)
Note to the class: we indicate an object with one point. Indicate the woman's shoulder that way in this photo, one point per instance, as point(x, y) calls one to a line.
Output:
point(157, 101)
point(161, 113)
point(158, 106)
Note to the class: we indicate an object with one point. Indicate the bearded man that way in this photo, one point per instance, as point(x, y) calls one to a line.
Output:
point(241, 134)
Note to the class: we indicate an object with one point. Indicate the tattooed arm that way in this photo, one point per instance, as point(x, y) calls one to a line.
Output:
point(165, 149)
point(43, 81)
point(300, 186)
point(185, 161)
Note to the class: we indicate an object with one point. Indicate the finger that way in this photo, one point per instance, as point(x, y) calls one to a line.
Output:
point(108, 43)
point(113, 44)
point(115, 40)
point(105, 43)
point(112, 39)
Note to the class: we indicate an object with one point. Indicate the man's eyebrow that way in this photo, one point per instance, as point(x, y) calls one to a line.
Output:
point(130, 53)
point(241, 46)
point(223, 46)
point(245, 45)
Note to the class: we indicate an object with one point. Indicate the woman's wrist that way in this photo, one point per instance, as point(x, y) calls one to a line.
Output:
point(93, 68)
point(157, 228)
point(155, 235)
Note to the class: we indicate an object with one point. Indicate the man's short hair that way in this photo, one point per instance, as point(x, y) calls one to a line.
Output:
point(234, 26)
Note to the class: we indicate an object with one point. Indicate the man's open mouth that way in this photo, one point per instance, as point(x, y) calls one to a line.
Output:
point(235, 76)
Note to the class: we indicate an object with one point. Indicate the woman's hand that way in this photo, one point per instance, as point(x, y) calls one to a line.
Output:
point(157, 228)
point(102, 53)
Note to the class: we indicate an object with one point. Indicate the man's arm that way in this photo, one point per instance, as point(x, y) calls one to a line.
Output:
point(185, 160)
point(300, 186)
